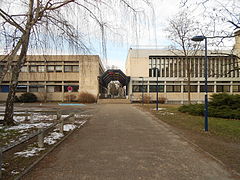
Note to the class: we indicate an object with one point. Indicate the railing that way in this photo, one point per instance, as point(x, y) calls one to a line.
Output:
point(39, 134)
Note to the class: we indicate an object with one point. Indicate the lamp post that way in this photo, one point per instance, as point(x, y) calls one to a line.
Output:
point(156, 70)
point(142, 90)
point(198, 39)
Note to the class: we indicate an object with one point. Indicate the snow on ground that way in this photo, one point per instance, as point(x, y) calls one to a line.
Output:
point(28, 126)
point(160, 109)
point(68, 127)
point(83, 115)
point(53, 137)
point(14, 172)
point(29, 152)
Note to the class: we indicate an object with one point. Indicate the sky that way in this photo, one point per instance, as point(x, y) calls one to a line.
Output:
point(147, 32)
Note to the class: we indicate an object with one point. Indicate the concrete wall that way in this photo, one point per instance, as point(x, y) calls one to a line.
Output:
point(87, 78)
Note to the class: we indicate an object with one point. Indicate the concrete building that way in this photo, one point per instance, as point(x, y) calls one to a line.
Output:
point(49, 76)
point(223, 74)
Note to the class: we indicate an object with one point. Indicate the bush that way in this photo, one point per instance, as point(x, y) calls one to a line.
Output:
point(28, 98)
point(193, 109)
point(85, 97)
point(146, 99)
point(221, 105)
point(162, 100)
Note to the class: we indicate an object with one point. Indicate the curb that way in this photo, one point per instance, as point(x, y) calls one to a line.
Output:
point(28, 169)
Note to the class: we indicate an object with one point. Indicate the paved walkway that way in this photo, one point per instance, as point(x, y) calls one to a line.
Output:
point(121, 142)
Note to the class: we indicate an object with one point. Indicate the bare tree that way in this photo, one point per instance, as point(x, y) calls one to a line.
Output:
point(180, 31)
point(32, 23)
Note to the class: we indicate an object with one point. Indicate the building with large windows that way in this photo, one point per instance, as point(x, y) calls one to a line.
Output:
point(144, 65)
point(50, 76)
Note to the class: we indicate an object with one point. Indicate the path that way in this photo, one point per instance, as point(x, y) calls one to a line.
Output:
point(121, 142)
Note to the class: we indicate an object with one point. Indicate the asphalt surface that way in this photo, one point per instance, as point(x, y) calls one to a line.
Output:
point(121, 142)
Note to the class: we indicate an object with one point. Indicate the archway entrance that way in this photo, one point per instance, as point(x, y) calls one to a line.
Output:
point(113, 84)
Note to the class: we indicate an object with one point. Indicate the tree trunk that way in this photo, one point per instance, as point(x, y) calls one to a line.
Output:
point(8, 117)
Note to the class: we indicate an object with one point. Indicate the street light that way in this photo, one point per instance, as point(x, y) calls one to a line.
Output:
point(142, 89)
point(156, 69)
point(198, 39)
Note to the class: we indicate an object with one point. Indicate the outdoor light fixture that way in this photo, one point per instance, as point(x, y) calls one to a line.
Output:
point(198, 39)
point(142, 89)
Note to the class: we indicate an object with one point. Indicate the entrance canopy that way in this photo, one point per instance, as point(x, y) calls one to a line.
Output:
point(113, 75)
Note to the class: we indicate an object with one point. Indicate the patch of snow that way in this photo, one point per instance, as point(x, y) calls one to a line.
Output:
point(28, 126)
point(30, 152)
point(54, 136)
point(83, 115)
point(65, 115)
point(19, 118)
point(68, 127)
point(159, 109)
point(14, 172)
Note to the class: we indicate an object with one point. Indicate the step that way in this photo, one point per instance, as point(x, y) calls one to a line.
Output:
point(114, 101)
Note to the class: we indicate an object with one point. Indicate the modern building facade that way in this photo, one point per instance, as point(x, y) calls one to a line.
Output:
point(50, 76)
point(144, 65)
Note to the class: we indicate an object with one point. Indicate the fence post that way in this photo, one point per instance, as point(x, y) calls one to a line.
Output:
point(41, 138)
point(61, 125)
point(58, 114)
point(31, 117)
point(1, 160)
point(26, 117)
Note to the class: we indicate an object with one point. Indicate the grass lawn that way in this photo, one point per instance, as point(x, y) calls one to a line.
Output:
point(222, 140)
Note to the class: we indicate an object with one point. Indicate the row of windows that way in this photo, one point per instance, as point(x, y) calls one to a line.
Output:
point(50, 68)
point(177, 67)
point(177, 88)
point(40, 88)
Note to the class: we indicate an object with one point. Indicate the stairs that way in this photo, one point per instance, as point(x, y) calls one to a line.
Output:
point(113, 101)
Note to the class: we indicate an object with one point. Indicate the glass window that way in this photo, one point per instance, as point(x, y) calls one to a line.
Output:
point(54, 88)
point(75, 68)
point(41, 68)
point(210, 88)
point(50, 68)
point(21, 89)
point(223, 88)
point(153, 88)
point(173, 88)
point(139, 88)
point(236, 88)
point(33, 68)
point(67, 68)
point(36, 89)
point(58, 68)
point(192, 88)
point(24, 69)
point(4, 88)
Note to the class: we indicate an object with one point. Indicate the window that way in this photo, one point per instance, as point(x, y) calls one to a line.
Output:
point(24, 69)
point(36, 89)
point(223, 88)
point(71, 68)
point(21, 88)
point(75, 88)
point(58, 68)
point(41, 68)
point(50, 68)
point(4, 88)
point(153, 88)
point(33, 68)
point(210, 88)
point(139, 88)
point(1, 68)
point(236, 88)
point(192, 88)
point(54, 88)
point(173, 88)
